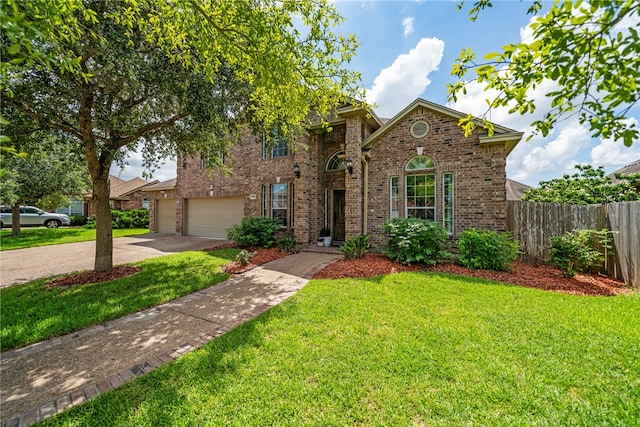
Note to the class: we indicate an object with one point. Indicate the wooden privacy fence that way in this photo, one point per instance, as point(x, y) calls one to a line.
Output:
point(534, 224)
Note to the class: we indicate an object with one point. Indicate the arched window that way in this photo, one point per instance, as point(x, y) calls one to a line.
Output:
point(419, 163)
point(336, 162)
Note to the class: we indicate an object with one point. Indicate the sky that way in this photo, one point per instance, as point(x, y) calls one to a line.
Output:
point(406, 52)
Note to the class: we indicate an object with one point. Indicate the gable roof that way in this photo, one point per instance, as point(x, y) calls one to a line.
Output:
point(515, 189)
point(501, 134)
point(630, 168)
point(120, 189)
point(169, 184)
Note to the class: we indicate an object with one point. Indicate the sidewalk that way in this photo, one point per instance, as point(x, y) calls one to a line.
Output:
point(43, 379)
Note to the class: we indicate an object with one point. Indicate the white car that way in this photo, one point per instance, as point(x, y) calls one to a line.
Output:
point(32, 216)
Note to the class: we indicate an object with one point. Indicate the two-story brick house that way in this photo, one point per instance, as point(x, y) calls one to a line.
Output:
point(352, 179)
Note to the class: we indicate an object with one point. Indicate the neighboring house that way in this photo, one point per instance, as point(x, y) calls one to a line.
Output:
point(162, 217)
point(352, 179)
point(515, 189)
point(628, 169)
point(124, 195)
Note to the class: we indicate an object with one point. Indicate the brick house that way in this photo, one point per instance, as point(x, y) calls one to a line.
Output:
point(351, 179)
point(124, 195)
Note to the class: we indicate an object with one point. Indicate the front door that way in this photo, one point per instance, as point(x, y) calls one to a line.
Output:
point(338, 214)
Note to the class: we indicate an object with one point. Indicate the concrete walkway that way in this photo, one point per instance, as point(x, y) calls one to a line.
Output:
point(43, 379)
point(26, 265)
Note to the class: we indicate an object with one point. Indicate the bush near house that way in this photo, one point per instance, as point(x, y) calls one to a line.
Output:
point(355, 248)
point(134, 218)
point(255, 231)
point(487, 250)
point(78, 220)
point(579, 250)
point(415, 240)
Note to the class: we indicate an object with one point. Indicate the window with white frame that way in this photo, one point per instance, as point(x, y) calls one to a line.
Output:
point(146, 203)
point(394, 208)
point(447, 201)
point(279, 202)
point(420, 189)
point(420, 197)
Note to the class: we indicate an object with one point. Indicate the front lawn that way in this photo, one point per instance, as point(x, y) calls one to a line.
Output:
point(42, 236)
point(32, 313)
point(405, 349)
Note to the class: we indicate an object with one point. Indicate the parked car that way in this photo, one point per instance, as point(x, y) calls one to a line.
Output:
point(32, 216)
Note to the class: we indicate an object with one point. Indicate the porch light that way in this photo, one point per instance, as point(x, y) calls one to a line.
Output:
point(419, 150)
point(349, 164)
point(296, 170)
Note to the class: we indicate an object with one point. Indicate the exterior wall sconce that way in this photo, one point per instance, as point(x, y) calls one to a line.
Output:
point(419, 150)
point(296, 170)
point(349, 164)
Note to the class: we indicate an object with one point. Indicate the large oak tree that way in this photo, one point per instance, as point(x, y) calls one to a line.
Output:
point(163, 77)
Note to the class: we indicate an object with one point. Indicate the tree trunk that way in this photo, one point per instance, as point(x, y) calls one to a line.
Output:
point(104, 228)
point(15, 219)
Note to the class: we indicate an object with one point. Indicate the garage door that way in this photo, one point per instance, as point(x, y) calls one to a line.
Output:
point(212, 217)
point(166, 216)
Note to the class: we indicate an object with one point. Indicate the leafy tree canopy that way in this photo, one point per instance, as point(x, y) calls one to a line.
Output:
point(163, 77)
point(587, 186)
point(591, 50)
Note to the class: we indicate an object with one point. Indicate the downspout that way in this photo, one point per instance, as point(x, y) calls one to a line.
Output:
point(365, 201)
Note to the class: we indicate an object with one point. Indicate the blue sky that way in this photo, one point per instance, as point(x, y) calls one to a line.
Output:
point(406, 51)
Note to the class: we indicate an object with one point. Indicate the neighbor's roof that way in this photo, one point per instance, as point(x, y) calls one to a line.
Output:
point(119, 188)
point(515, 189)
point(169, 184)
point(501, 134)
point(630, 168)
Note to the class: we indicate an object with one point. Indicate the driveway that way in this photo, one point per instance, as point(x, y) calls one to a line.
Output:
point(24, 265)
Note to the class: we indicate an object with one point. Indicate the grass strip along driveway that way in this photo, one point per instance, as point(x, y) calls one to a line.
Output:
point(32, 313)
point(403, 349)
point(32, 237)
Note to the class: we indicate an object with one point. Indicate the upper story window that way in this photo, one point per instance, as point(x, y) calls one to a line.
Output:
point(336, 162)
point(420, 163)
point(279, 146)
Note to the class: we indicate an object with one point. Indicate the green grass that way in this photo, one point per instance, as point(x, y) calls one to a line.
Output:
point(407, 349)
point(42, 236)
point(31, 313)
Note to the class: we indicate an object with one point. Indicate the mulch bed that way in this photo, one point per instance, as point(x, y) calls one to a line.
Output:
point(87, 277)
point(533, 276)
point(542, 276)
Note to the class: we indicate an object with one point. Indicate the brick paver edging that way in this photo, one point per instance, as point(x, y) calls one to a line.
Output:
point(88, 392)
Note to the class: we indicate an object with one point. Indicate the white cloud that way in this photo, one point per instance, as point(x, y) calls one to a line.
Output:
point(614, 153)
point(556, 154)
point(407, 24)
point(402, 82)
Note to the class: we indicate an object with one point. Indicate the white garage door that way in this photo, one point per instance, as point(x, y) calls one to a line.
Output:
point(212, 217)
point(166, 216)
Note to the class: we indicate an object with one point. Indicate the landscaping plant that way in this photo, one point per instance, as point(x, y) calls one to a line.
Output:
point(355, 248)
point(288, 244)
point(579, 250)
point(487, 250)
point(415, 240)
point(255, 231)
point(244, 256)
point(133, 218)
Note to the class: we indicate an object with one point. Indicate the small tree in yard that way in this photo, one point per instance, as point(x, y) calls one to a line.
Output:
point(580, 250)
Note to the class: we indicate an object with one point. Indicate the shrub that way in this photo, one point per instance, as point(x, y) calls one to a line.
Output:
point(244, 256)
point(287, 244)
point(78, 220)
point(415, 240)
point(134, 218)
point(487, 250)
point(579, 250)
point(255, 231)
point(355, 248)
